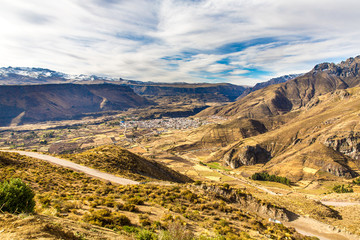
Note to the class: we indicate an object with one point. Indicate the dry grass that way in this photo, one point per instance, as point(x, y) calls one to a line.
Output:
point(72, 196)
point(120, 161)
point(350, 218)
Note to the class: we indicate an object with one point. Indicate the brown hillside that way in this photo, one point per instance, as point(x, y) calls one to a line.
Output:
point(220, 92)
point(117, 160)
point(293, 94)
point(323, 137)
point(310, 125)
point(70, 205)
point(34, 103)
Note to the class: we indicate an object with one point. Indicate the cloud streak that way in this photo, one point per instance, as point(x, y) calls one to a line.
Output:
point(238, 41)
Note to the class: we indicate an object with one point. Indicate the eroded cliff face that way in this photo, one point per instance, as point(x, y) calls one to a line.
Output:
point(338, 170)
point(247, 201)
point(247, 155)
point(221, 92)
point(348, 144)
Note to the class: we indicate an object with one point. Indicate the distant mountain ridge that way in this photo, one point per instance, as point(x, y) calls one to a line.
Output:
point(293, 94)
point(30, 95)
point(272, 81)
point(35, 103)
point(27, 75)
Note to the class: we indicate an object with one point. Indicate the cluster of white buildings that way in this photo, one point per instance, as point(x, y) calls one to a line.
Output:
point(166, 123)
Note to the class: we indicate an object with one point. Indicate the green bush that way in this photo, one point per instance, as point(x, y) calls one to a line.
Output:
point(16, 197)
point(145, 235)
point(342, 189)
point(357, 181)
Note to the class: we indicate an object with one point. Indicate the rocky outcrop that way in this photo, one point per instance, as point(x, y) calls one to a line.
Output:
point(248, 155)
point(348, 145)
point(247, 201)
point(338, 170)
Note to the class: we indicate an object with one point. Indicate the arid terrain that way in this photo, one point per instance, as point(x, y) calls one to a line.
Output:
point(280, 163)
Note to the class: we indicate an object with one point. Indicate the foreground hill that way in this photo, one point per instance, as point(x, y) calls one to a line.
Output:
point(117, 160)
point(79, 207)
point(34, 103)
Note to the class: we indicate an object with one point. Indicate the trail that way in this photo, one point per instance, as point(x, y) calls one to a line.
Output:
point(76, 167)
point(311, 227)
point(339, 204)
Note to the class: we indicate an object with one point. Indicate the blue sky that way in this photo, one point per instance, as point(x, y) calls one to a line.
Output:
point(237, 41)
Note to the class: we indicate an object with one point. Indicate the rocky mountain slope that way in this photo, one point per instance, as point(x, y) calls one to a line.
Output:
point(294, 94)
point(272, 81)
point(221, 92)
point(26, 76)
point(309, 125)
point(34, 103)
point(323, 138)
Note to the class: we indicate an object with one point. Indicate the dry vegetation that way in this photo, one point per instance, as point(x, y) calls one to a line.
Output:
point(295, 140)
point(120, 161)
point(129, 210)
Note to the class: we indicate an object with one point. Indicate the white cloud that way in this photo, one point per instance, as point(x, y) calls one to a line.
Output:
point(140, 39)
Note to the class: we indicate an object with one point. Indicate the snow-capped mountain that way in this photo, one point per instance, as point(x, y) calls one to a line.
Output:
point(26, 75)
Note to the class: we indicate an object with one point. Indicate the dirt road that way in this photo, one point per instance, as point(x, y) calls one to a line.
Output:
point(339, 204)
point(76, 167)
point(311, 227)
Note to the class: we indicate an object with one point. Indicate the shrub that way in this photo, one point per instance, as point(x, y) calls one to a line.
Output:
point(177, 231)
point(105, 218)
point(342, 189)
point(16, 197)
point(130, 229)
point(144, 220)
point(357, 181)
point(145, 235)
point(45, 200)
point(126, 207)
point(135, 201)
point(197, 183)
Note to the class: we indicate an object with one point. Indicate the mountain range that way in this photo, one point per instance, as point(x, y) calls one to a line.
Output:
point(301, 128)
point(30, 95)
point(35, 103)
point(304, 129)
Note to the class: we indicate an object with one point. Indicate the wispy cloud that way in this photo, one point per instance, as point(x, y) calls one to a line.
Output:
point(239, 41)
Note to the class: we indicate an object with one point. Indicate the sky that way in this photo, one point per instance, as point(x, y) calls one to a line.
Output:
point(237, 41)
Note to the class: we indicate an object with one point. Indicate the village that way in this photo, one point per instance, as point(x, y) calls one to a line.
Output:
point(165, 123)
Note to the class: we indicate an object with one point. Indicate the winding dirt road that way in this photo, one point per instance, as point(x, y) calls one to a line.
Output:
point(339, 204)
point(311, 227)
point(77, 167)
